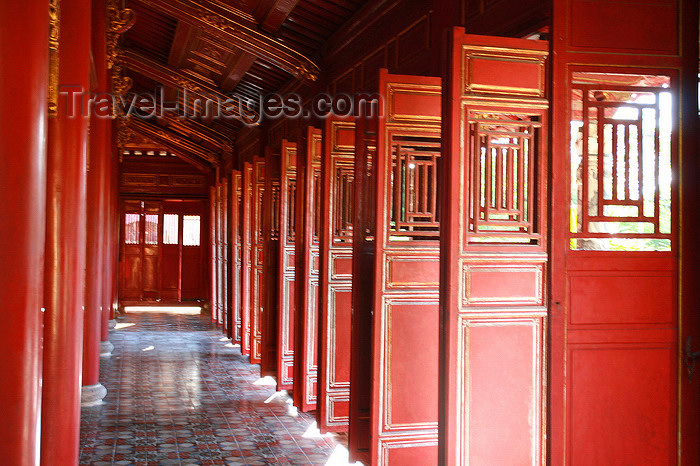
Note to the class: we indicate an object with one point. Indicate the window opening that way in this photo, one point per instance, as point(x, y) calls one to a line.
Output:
point(620, 162)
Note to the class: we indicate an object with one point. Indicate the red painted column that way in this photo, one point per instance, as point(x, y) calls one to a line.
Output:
point(24, 30)
point(99, 120)
point(103, 147)
point(110, 302)
point(65, 243)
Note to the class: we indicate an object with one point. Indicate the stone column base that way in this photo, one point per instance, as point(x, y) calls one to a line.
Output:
point(92, 395)
point(111, 323)
point(106, 348)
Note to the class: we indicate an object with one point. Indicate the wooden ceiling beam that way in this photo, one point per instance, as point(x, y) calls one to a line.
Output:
point(178, 145)
point(231, 26)
point(169, 76)
point(277, 14)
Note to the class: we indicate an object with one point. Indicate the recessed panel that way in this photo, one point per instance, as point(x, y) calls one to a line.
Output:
point(411, 348)
point(502, 382)
point(622, 405)
point(412, 272)
point(341, 266)
point(420, 104)
point(648, 304)
point(504, 72)
point(503, 285)
point(642, 26)
point(340, 312)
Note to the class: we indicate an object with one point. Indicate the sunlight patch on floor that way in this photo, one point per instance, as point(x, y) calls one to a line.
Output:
point(339, 457)
point(121, 325)
point(267, 380)
point(186, 310)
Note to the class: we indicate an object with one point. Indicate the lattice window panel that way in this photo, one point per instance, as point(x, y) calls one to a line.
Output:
point(621, 164)
point(503, 161)
point(343, 203)
point(415, 191)
point(317, 205)
point(275, 206)
point(291, 204)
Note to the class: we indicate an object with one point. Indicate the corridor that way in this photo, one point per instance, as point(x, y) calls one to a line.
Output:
point(180, 394)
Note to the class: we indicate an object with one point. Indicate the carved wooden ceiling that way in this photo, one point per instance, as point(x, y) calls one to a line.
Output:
point(239, 48)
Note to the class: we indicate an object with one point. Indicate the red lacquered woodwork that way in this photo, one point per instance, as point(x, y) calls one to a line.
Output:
point(235, 234)
point(247, 257)
point(257, 248)
point(193, 281)
point(213, 255)
point(493, 257)
point(286, 288)
point(337, 172)
point(397, 265)
point(24, 86)
point(269, 309)
point(64, 272)
point(617, 319)
point(308, 214)
point(171, 252)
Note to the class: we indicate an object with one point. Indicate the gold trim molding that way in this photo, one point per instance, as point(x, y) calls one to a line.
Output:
point(54, 34)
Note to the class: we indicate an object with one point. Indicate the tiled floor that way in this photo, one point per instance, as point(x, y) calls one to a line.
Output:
point(178, 393)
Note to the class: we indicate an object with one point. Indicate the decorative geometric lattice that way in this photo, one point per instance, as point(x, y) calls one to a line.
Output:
point(414, 197)
point(503, 163)
point(343, 203)
point(620, 163)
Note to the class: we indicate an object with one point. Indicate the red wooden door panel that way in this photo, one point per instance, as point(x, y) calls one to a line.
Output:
point(171, 251)
point(286, 288)
point(336, 276)
point(247, 255)
point(193, 240)
point(131, 237)
point(213, 254)
point(399, 241)
point(236, 228)
point(224, 253)
point(257, 240)
point(493, 256)
point(270, 277)
point(151, 250)
point(617, 322)
point(308, 215)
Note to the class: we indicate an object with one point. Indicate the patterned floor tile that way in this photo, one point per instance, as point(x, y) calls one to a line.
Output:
point(177, 395)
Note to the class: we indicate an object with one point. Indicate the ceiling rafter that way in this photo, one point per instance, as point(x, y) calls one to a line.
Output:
point(175, 143)
point(169, 76)
point(231, 27)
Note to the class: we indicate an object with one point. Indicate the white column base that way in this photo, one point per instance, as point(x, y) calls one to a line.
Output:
point(92, 395)
point(106, 348)
point(111, 323)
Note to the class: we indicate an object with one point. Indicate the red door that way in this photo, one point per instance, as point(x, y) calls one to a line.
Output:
point(269, 308)
point(247, 256)
point(171, 251)
point(336, 275)
point(616, 317)
point(493, 252)
point(130, 279)
point(193, 241)
point(286, 272)
point(308, 229)
point(257, 298)
point(162, 258)
point(395, 287)
point(236, 228)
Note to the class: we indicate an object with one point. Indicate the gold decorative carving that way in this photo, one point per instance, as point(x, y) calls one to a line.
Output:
point(187, 84)
point(54, 34)
point(120, 83)
point(139, 179)
point(119, 20)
